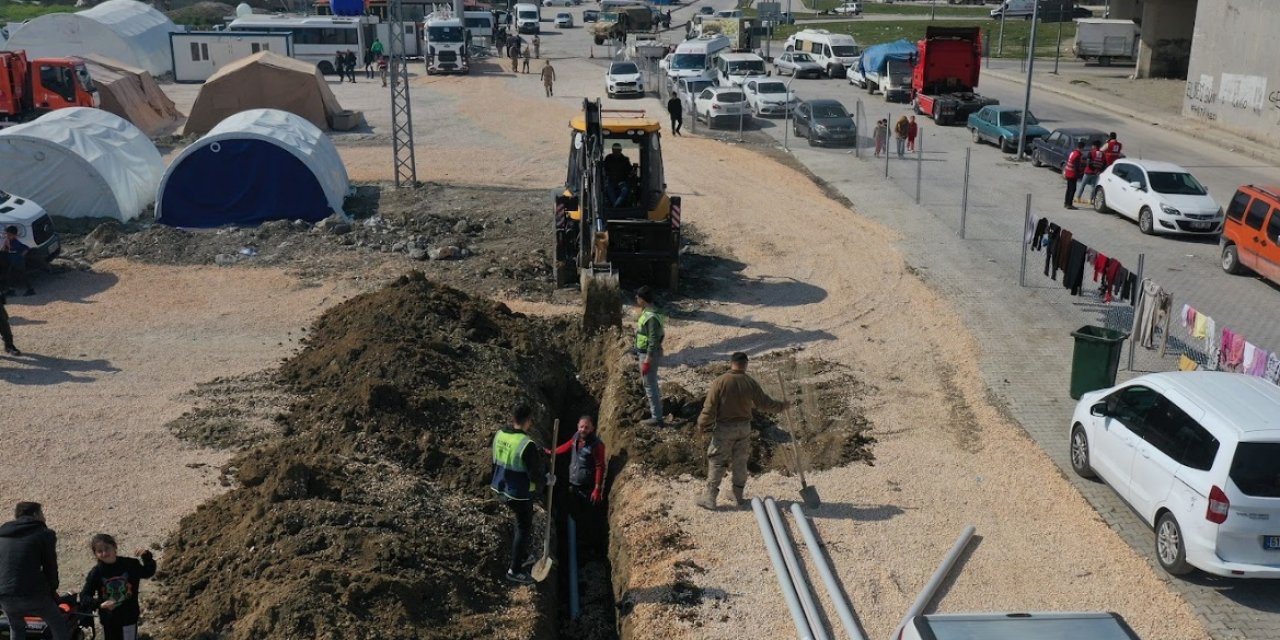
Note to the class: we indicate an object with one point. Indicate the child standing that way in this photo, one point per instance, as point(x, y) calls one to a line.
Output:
point(112, 587)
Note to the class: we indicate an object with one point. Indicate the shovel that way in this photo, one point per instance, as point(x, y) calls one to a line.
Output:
point(807, 493)
point(542, 568)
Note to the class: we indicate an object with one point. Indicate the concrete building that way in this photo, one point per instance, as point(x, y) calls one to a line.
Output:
point(1233, 79)
point(1166, 27)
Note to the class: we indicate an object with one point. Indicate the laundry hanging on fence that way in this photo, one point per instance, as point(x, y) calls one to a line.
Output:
point(1256, 362)
point(1231, 351)
point(1042, 226)
point(1273, 368)
point(1154, 309)
point(1185, 363)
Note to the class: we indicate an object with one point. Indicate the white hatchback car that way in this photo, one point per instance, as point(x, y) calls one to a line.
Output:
point(769, 97)
point(1197, 456)
point(722, 105)
point(623, 78)
point(1161, 196)
point(564, 20)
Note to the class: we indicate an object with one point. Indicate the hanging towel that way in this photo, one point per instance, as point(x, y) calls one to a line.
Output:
point(1051, 249)
point(1099, 262)
point(1185, 363)
point(1250, 351)
point(1041, 227)
point(1273, 368)
point(1117, 283)
point(1188, 316)
point(1200, 325)
point(1259, 366)
point(1210, 342)
point(1130, 290)
point(1235, 354)
point(1224, 348)
point(1073, 276)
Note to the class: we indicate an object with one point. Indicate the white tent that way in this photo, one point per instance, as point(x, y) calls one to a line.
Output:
point(254, 166)
point(125, 30)
point(80, 163)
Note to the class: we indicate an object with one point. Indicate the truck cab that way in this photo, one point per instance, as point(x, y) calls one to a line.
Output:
point(30, 88)
point(447, 40)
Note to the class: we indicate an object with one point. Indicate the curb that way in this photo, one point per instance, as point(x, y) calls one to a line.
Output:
point(1176, 123)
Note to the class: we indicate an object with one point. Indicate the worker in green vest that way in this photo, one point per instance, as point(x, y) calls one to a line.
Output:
point(650, 330)
point(517, 479)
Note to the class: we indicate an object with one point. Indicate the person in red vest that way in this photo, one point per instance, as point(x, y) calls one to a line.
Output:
point(1093, 165)
point(1111, 152)
point(1071, 171)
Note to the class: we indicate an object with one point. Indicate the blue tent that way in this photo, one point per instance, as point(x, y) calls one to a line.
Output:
point(255, 166)
point(876, 57)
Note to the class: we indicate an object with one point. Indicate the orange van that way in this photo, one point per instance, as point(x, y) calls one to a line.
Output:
point(1251, 235)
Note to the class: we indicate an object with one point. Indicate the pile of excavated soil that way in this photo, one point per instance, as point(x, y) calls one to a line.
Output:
point(369, 514)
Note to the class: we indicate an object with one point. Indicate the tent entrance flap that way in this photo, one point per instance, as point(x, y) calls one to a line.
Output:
point(242, 182)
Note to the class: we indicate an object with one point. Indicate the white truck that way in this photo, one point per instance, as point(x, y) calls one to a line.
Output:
point(886, 68)
point(35, 228)
point(447, 40)
point(1105, 40)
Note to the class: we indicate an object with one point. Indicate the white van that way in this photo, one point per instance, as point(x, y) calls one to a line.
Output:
point(528, 18)
point(733, 69)
point(479, 23)
point(1196, 454)
point(35, 228)
point(834, 51)
point(1014, 9)
point(695, 58)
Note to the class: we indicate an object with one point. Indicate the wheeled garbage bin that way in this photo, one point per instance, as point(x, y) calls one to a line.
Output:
point(1096, 359)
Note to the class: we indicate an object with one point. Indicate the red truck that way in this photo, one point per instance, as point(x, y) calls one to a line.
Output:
point(946, 74)
point(30, 88)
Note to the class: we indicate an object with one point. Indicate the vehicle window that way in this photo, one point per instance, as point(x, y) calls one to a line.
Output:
point(624, 68)
point(747, 67)
point(1256, 469)
point(688, 61)
point(1176, 434)
point(1013, 118)
point(58, 80)
point(826, 51)
point(86, 81)
point(1176, 183)
point(771, 87)
point(1121, 171)
point(1235, 210)
point(1131, 406)
point(1137, 175)
point(445, 34)
point(1055, 137)
point(1257, 212)
point(829, 111)
point(802, 57)
point(845, 50)
point(732, 96)
point(1273, 225)
point(706, 93)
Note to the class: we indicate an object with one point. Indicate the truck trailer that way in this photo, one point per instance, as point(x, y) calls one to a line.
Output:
point(945, 78)
point(1105, 40)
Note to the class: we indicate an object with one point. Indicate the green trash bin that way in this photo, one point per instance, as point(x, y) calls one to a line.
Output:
point(1096, 359)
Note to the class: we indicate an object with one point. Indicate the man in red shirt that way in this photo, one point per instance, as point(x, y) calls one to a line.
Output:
point(1093, 165)
point(1111, 152)
point(1071, 171)
point(587, 464)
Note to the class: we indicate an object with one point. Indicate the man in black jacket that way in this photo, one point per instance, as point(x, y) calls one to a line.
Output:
point(29, 572)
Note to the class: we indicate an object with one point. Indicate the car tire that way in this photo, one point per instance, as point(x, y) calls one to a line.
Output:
point(977, 138)
point(1080, 453)
point(1100, 201)
point(1035, 159)
point(1171, 551)
point(795, 130)
point(1231, 261)
point(810, 140)
point(831, 71)
point(1146, 221)
point(1007, 145)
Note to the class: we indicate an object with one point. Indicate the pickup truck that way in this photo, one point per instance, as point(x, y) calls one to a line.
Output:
point(849, 9)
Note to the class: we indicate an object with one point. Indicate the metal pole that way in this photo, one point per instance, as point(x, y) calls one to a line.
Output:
point(786, 115)
point(964, 200)
point(1031, 63)
point(933, 8)
point(858, 122)
point(780, 570)
point(919, 164)
point(931, 589)
point(811, 610)
point(1000, 45)
point(1026, 224)
point(741, 117)
point(1057, 48)
point(1142, 258)
point(824, 569)
point(888, 135)
point(574, 605)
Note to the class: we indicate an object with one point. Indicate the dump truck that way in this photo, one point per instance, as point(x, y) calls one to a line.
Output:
point(945, 78)
point(29, 88)
point(611, 230)
point(615, 21)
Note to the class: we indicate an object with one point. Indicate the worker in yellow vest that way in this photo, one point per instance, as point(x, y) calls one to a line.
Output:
point(650, 330)
point(517, 479)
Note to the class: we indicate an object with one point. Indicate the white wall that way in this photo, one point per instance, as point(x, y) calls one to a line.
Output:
point(1234, 76)
point(198, 55)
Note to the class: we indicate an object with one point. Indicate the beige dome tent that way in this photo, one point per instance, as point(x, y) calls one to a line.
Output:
point(267, 80)
point(133, 94)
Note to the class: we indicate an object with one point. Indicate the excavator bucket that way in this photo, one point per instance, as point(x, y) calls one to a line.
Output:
point(601, 300)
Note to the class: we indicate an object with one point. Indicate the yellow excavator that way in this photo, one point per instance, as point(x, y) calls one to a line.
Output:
point(614, 222)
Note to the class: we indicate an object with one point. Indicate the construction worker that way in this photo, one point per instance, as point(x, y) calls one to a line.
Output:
point(517, 479)
point(537, 47)
point(650, 330)
point(514, 52)
point(1094, 163)
point(587, 464)
point(727, 415)
point(548, 78)
point(525, 67)
point(1111, 152)
point(6, 332)
point(1071, 171)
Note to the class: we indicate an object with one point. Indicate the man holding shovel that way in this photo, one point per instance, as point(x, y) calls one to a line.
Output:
point(518, 477)
point(727, 415)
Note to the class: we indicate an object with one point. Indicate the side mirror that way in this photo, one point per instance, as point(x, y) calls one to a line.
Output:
point(1138, 186)
point(1098, 410)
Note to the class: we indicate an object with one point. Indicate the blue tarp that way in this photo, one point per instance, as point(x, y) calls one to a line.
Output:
point(876, 57)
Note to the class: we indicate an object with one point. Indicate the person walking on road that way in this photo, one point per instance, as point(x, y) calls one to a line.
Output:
point(537, 47)
point(370, 58)
point(912, 130)
point(1093, 165)
point(1071, 171)
point(382, 69)
point(1111, 152)
point(726, 414)
point(6, 332)
point(376, 47)
point(514, 52)
point(549, 78)
point(29, 572)
point(675, 109)
point(587, 464)
point(524, 68)
point(517, 479)
point(880, 135)
point(15, 252)
point(900, 135)
point(650, 331)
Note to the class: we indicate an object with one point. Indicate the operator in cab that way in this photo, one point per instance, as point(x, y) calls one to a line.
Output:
point(617, 172)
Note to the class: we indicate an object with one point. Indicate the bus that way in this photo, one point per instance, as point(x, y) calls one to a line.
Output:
point(316, 39)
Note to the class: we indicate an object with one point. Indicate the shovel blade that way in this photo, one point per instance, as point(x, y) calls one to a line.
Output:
point(542, 569)
point(810, 496)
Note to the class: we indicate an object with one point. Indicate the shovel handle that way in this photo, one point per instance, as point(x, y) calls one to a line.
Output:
point(795, 451)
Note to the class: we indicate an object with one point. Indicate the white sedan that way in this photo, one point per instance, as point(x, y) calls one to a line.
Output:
point(623, 78)
point(552, 3)
point(1162, 196)
point(769, 97)
point(564, 20)
point(722, 105)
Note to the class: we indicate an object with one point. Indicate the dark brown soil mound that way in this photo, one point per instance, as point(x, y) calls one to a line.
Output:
point(370, 516)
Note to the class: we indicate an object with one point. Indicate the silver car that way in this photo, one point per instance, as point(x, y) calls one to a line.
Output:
point(798, 64)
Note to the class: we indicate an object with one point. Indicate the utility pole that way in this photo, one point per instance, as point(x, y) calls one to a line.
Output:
point(1057, 48)
point(933, 8)
point(1000, 45)
point(1031, 63)
point(406, 166)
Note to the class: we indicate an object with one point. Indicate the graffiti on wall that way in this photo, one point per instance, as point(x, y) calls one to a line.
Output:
point(1233, 92)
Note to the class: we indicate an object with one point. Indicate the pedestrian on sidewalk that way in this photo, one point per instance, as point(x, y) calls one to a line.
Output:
point(369, 60)
point(537, 47)
point(1071, 171)
point(524, 68)
point(15, 252)
point(548, 78)
point(514, 52)
point(650, 331)
point(6, 332)
point(587, 464)
point(726, 414)
point(112, 587)
point(1094, 163)
point(912, 130)
point(675, 109)
point(879, 135)
point(383, 63)
point(518, 478)
point(900, 135)
point(1111, 152)
point(29, 571)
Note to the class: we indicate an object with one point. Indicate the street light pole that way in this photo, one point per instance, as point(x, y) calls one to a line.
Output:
point(1000, 45)
point(786, 115)
point(933, 8)
point(1031, 63)
point(1057, 48)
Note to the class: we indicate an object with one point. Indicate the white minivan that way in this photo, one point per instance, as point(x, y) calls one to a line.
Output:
point(834, 51)
point(732, 69)
point(693, 58)
point(1197, 456)
point(528, 18)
